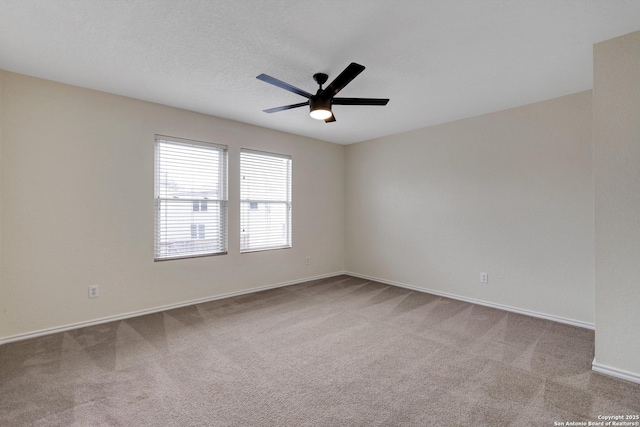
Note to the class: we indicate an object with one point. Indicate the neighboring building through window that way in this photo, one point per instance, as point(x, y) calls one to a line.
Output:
point(265, 201)
point(197, 231)
point(191, 198)
point(199, 206)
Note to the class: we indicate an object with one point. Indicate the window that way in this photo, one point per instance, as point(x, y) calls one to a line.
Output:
point(265, 201)
point(191, 198)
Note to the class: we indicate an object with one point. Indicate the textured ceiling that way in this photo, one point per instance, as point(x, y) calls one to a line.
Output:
point(437, 61)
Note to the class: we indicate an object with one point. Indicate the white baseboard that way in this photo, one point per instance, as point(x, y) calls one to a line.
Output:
point(596, 367)
point(48, 331)
point(531, 313)
point(614, 372)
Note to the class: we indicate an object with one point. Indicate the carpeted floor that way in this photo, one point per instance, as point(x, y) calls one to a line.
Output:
point(340, 351)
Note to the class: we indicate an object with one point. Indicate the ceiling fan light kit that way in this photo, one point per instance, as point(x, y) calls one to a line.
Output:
point(320, 103)
point(320, 113)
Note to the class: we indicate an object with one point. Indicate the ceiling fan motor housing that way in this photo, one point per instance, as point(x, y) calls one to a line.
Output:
point(318, 101)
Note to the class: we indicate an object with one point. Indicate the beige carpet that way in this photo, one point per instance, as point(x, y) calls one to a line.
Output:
point(334, 352)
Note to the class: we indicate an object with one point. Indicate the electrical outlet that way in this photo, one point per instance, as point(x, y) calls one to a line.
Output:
point(307, 260)
point(94, 291)
point(484, 278)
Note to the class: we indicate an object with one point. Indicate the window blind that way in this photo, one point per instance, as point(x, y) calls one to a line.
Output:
point(265, 201)
point(190, 197)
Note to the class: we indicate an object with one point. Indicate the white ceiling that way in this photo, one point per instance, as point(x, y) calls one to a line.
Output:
point(437, 61)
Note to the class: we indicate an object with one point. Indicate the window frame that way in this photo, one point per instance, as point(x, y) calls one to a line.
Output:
point(221, 225)
point(254, 203)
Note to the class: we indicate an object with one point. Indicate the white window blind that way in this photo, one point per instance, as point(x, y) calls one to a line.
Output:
point(191, 198)
point(265, 201)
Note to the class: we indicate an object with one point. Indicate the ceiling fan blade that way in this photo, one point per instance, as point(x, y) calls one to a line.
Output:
point(283, 85)
point(286, 107)
point(330, 119)
point(360, 101)
point(343, 79)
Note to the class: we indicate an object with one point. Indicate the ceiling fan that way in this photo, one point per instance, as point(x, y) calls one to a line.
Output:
point(320, 103)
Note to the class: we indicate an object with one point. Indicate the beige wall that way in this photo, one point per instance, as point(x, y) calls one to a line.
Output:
point(616, 103)
point(77, 194)
point(508, 193)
